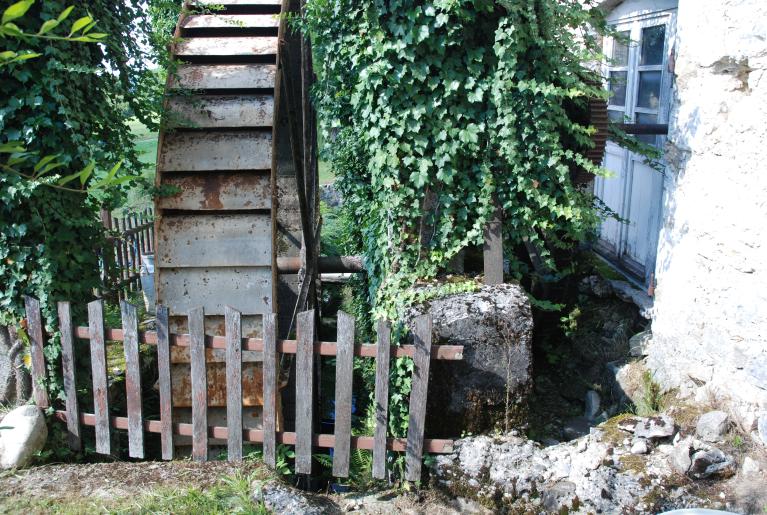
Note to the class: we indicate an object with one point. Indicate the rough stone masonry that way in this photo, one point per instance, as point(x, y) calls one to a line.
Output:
point(710, 320)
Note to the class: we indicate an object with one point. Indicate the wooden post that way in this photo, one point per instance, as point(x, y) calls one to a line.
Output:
point(304, 391)
point(382, 398)
point(234, 384)
point(493, 248)
point(270, 389)
point(166, 396)
point(199, 385)
point(420, 386)
point(99, 373)
point(133, 381)
point(70, 383)
point(36, 344)
point(344, 377)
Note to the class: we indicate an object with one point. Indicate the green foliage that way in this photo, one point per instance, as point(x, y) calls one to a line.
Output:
point(651, 401)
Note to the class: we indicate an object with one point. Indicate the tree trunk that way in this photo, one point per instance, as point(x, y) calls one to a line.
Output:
point(15, 381)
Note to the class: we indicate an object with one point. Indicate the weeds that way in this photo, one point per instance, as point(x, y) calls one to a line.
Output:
point(651, 401)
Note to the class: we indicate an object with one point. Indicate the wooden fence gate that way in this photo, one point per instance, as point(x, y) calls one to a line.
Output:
point(305, 347)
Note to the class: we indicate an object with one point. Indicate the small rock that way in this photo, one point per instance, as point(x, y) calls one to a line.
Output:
point(761, 426)
point(628, 424)
point(750, 466)
point(657, 427)
point(712, 426)
point(680, 457)
point(592, 405)
point(639, 446)
point(711, 462)
point(558, 496)
point(639, 342)
point(23, 436)
point(282, 499)
point(575, 428)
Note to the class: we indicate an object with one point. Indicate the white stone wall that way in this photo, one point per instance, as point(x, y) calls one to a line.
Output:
point(710, 322)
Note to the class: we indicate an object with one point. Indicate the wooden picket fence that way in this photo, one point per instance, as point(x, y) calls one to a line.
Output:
point(129, 237)
point(305, 347)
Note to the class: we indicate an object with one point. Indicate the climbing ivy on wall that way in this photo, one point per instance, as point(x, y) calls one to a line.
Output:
point(431, 110)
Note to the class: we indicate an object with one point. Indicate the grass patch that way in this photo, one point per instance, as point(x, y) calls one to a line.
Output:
point(326, 172)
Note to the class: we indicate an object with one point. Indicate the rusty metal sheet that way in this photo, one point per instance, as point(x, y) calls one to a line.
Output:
point(221, 111)
point(214, 240)
point(248, 290)
point(231, 21)
point(227, 46)
point(224, 76)
point(182, 355)
point(252, 384)
point(210, 151)
point(218, 191)
point(252, 325)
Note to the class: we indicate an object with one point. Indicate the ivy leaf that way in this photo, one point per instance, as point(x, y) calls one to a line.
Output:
point(17, 10)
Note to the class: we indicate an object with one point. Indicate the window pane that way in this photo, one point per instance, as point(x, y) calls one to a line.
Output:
point(650, 139)
point(620, 55)
point(653, 39)
point(649, 90)
point(615, 116)
point(617, 85)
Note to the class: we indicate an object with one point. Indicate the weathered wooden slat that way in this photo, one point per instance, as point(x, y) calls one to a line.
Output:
point(211, 151)
point(304, 391)
point(133, 381)
point(227, 47)
point(343, 399)
point(234, 384)
point(231, 21)
point(221, 112)
point(249, 290)
point(224, 76)
point(215, 240)
point(382, 398)
point(99, 374)
point(438, 352)
point(70, 376)
point(238, 3)
point(36, 344)
point(199, 386)
point(218, 191)
point(418, 392)
point(166, 398)
point(325, 441)
point(493, 249)
point(270, 389)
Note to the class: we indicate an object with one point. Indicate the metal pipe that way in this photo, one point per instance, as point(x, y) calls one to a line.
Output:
point(327, 264)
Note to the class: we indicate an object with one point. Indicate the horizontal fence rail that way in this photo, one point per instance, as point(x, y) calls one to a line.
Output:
point(305, 347)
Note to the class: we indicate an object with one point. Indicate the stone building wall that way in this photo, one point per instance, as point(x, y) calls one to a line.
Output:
point(710, 316)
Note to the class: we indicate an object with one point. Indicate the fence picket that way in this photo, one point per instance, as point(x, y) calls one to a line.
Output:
point(270, 389)
point(99, 374)
point(68, 370)
point(36, 343)
point(304, 391)
point(234, 383)
point(133, 381)
point(382, 399)
point(420, 385)
point(166, 397)
point(344, 380)
point(199, 385)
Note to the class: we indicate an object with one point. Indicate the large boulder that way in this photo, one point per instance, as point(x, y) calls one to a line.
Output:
point(15, 382)
point(489, 388)
point(22, 435)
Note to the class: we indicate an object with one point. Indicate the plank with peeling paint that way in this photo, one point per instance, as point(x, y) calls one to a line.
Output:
point(422, 328)
point(234, 384)
point(343, 399)
point(70, 376)
point(304, 391)
point(221, 111)
point(212, 151)
point(383, 355)
point(36, 344)
point(199, 386)
point(270, 389)
point(227, 46)
point(133, 380)
point(166, 399)
point(231, 21)
point(215, 240)
point(224, 76)
point(99, 375)
point(220, 191)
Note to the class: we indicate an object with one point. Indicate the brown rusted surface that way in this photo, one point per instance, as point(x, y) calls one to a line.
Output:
point(214, 326)
point(218, 191)
point(225, 76)
point(252, 384)
point(227, 46)
point(229, 21)
point(220, 111)
point(215, 240)
point(213, 151)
